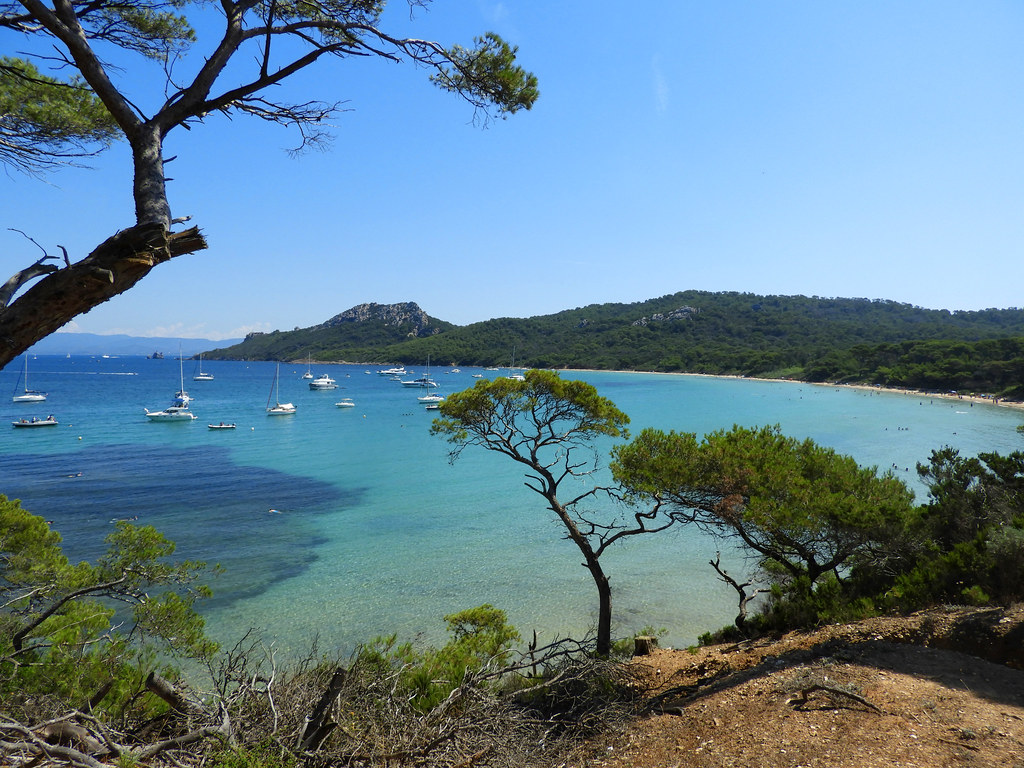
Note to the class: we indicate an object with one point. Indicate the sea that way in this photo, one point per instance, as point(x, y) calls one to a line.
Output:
point(338, 525)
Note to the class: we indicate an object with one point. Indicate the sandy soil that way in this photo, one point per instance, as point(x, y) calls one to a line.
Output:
point(940, 688)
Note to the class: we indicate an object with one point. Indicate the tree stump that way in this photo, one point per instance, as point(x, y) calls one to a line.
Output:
point(644, 644)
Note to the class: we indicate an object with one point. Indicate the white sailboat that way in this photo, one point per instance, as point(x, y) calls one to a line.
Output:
point(27, 395)
point(424, 381)
point(512, 372)
point(200, 375)
point(178, 409)
point(309, 368)
point(279, 408)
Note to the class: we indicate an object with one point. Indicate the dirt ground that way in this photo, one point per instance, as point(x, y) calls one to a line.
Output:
point(940, 688)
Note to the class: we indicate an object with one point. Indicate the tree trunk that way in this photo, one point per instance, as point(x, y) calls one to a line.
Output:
point(150, 185)
point(591, 562)
point(644, 645)
point(604, 614)
point(114, 267)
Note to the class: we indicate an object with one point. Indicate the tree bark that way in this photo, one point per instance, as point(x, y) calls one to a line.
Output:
point(604, 614)
point(115, 266)
point(166, 691)
point(318, 725)
point(644, 645)
point(149, 186)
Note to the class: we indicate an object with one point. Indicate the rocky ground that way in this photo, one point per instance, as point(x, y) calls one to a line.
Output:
point(940, 688)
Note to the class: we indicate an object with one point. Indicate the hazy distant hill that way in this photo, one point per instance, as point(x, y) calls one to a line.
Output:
point(120, 344)
point(693, 331)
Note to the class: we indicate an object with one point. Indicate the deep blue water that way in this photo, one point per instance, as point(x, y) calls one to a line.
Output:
point(372, 529)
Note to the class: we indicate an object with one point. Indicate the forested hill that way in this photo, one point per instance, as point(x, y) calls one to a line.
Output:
point(693, 331)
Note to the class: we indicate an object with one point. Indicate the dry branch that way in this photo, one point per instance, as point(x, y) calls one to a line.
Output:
point(797, 702)
point(111, 269)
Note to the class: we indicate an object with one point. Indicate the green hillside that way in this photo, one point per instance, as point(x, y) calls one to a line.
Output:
point(693, 331)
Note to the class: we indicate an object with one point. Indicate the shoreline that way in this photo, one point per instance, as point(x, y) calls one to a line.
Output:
point(971, 398)
point(967, 398)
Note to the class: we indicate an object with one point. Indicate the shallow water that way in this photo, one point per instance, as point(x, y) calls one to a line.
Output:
point(348, 523)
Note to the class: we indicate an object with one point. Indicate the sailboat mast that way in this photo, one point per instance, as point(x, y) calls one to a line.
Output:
point(273, 384)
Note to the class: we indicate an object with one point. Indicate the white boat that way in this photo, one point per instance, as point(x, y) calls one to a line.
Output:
point(171, 413)
point(200, 375)
point(222, 425)
point(309, 368)
point(181, 397)
point(512, 369)
point(345, 402)
point(432, 398)
point(27, 395)
point(178, 409)
point(424, 381)
point(279, 408)
point(398, 371)
point(49, 421)
point(323, 381)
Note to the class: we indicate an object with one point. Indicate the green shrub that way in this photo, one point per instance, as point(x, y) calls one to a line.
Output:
point(481, 637)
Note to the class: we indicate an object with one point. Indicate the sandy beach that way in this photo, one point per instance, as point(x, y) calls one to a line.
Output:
point(967, 398)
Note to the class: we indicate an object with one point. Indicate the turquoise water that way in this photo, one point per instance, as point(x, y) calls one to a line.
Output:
point(374, 531)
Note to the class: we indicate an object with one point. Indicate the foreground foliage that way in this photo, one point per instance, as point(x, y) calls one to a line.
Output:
point(82, 680)
point(964, 546)
point(57, 619)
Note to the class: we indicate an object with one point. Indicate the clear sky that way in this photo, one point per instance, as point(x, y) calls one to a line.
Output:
point(866, 149)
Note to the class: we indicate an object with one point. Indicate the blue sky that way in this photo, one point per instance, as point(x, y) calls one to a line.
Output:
point(867, 149)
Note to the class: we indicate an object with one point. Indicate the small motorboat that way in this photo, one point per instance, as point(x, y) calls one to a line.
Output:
point(222, 425)
point(323, 381)
point(345, 402)
point(171, 413)
point(35, 421)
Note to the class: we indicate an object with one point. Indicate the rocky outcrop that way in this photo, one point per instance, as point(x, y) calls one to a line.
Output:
point(396, 315)
point(683, 313)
